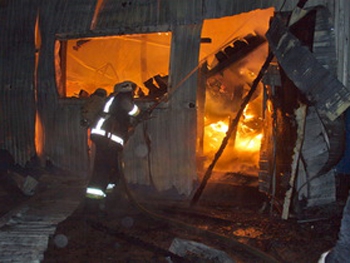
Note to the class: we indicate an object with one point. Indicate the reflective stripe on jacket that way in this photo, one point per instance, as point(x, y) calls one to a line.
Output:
point(115, 121)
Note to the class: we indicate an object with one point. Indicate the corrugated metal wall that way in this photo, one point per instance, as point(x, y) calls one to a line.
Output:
point(70, 139)
point(142, 16)
point(64, 141)
point(172, 129)
point(17, 106)
point(132, 16)
point(183, 109)
point(213, 8)
point(76, 16)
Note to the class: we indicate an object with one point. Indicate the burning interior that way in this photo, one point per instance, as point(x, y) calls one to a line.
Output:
point(226, 86)
point(93, 63)
point(228, 72)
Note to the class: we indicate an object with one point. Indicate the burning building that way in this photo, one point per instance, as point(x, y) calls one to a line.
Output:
point(236, 88)
point(197, 62)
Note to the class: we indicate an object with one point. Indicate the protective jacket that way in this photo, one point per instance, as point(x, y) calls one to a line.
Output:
point(115, 119)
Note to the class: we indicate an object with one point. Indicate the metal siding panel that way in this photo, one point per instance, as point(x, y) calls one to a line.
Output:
point(17, 78)
point(142, 16)
point(65, 143)
point(137, 169)
point(185, 12)
point(133, 17)
point(121, 17)
point(70, 150)
point(51, 15)
point(136, 160)
point(47, 105)
point(215, 9)
point(17, 121)
point(183, 112)
point(161, 151)
point(77, 15)
point(17, 42)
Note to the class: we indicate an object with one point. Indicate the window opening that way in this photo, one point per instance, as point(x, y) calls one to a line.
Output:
point(82, 65)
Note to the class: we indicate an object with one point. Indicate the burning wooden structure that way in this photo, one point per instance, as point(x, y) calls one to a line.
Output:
point(46, 64)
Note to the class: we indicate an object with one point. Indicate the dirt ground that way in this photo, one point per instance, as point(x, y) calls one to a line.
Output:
point(126, 231)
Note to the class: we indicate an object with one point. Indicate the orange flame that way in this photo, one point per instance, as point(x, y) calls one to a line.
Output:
point(214, 133)
point(247, 139)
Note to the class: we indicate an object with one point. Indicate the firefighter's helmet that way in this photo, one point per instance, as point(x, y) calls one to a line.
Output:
point(126, 86)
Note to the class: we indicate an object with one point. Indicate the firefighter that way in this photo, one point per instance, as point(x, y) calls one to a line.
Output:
point(109, 135)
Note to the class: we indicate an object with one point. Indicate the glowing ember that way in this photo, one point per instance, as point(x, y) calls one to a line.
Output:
point(248, 232)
